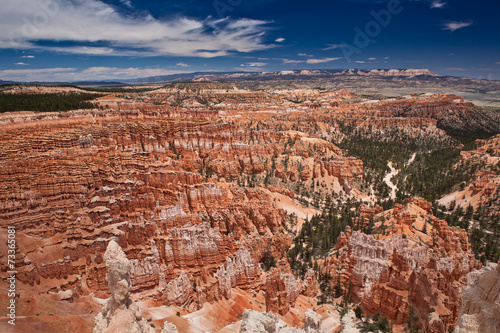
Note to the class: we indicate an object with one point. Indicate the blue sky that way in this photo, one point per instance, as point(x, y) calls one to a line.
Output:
point(72, 40)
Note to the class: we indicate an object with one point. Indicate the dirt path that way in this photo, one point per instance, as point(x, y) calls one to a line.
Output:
point(394, 172)
point(387, 180)
point(412, 158)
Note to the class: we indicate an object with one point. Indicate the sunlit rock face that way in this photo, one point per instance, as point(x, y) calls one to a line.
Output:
point(480, 311)
point(406, 268)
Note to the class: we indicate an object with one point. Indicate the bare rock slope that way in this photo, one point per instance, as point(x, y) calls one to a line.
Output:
point(480, 310)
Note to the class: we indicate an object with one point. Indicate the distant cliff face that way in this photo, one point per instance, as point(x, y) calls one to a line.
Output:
point(391, 72)
point(452, 113)
point(200, 77)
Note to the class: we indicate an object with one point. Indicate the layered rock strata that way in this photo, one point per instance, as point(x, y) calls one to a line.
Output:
point(406, 268)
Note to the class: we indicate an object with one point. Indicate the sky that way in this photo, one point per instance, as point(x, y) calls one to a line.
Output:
point(78, 40)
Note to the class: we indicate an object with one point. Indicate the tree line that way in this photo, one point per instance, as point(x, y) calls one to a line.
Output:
point(46, 102)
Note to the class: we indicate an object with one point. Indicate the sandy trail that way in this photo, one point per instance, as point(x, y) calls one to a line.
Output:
point(412, 158)
point(394, 172)
point(387, 180)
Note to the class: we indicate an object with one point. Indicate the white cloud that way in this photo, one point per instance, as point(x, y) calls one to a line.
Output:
point(254, 64)
point(305, 55)
point(290, 61)
point(92, 73)
point(116, 72)
point(360, 62)
point(372, 59)
point(181, 64)
point(33, 74)
point(452, 26)
point(280, 40)
point(20, 63)
point(100, 51)
point(79, 25)
point(438, 4)
point(28, 56)
point(310, 61)
point(320, 61)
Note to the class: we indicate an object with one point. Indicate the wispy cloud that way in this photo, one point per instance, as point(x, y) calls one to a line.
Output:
point(127, 3)
point(455, 25)
point(34, 74)
point(291, 61)
point(28, 56)
point(322, 60)
point(310, 61)
point(438, 4)
point(332, 47)
point(73, 74)
point(254, 64)
point(21, 63)
point(280, 40)
point(94, 27)
point(181, 64)
point(305, 55)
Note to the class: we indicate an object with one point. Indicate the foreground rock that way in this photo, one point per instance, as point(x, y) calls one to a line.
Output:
point(480, 312)
point(312, 322)
point(258, 322)
point(119, 314)
point(261, 322)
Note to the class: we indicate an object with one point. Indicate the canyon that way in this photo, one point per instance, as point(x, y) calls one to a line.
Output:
point(162, 210)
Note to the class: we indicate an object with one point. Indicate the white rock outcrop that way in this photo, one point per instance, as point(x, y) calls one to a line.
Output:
point(261, 322)
point(312, 322)
point(480, 311)
point(258, 322)
point(119, 314)
point(169, 328)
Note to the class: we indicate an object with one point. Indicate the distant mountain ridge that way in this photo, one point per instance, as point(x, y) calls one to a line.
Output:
point(195, 76)
point(252, 76)
point(289, 73)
